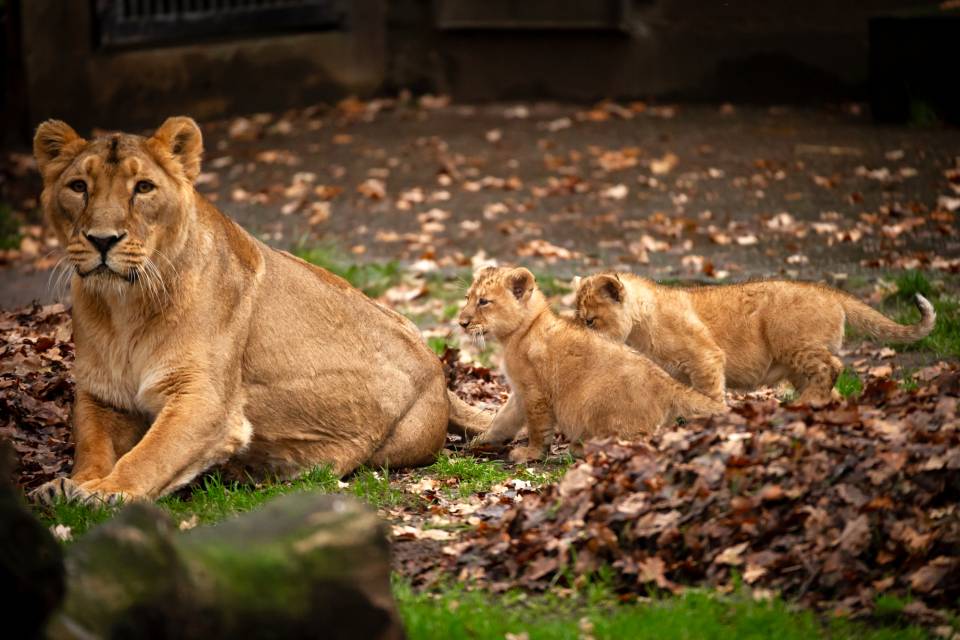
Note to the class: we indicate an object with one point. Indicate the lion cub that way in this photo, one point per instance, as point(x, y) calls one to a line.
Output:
point(564, 375)
point(740, 336)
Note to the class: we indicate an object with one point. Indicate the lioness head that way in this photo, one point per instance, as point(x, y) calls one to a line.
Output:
point(120, 204)
point(498, 301)
point(600, 305)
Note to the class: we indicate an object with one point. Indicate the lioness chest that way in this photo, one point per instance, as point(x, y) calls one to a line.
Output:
point(119, 366)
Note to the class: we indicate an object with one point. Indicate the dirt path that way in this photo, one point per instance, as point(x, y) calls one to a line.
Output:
point(693, 191)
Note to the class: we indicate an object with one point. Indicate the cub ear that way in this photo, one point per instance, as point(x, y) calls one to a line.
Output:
point(521, 282)
point(50, 141)
point(611, 287)
point(181, 138)
point(576, 283)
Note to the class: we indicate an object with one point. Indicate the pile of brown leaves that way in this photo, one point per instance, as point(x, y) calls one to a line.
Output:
point(472, 383)
point(36, 390)
point(832, 507)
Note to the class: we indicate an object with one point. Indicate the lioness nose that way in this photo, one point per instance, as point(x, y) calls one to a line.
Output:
point(464, 323)
point(103, 243)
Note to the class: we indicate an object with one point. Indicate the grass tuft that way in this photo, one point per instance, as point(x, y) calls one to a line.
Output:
point(373, 278)
point(848, 383)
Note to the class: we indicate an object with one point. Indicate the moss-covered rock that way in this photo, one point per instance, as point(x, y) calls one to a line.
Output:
point(303, 566)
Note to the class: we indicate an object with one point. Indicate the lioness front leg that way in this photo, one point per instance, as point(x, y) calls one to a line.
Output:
point(101, 435)
point(192, 432)
point(505, 425)
point(539, 420)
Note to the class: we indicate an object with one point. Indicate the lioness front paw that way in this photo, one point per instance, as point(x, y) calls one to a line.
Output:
point(525, 454)
point(102, 492)
point(58, 489)
point(66, 490)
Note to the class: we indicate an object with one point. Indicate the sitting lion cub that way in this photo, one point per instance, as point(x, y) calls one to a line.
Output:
point(564, 375)
point(741, 336)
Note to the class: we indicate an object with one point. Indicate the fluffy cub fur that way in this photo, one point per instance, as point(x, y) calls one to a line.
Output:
point(740, 336)
point(565, 376)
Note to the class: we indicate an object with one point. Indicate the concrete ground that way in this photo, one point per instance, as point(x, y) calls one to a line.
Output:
point(688, 191)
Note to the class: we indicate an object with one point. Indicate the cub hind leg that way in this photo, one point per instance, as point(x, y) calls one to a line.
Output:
point(813, 372)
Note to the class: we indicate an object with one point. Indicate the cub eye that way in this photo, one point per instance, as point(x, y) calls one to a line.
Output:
point(144, 186)
point(80, 186)
point(482, 302)
point(590, 321)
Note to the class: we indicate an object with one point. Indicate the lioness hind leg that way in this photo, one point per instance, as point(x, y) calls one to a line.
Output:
point(418, 436)
point(813, 373)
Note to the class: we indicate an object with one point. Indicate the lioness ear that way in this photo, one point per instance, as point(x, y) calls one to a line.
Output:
point(181, 138)
point(52, 139)
point(576, 283)
point(521, 282)
point(611, 287)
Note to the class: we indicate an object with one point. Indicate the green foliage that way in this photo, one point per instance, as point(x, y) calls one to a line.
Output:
point(911, 282)
point(848, 383)
point(9, 228)
point(373, 278)
point(455, 612)
point(551, 286)
point(439, 344)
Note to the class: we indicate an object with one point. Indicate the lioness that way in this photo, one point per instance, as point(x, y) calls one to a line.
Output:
point(563, 374)
point(742, 335)
point(197, 344)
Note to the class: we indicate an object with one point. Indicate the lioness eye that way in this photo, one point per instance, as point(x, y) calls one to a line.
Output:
point(79, 186)
point(144, 186)
point(483, 302)
point(590, 321)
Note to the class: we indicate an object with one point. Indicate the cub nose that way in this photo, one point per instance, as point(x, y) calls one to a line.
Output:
point(464, 323)
point(103, 243)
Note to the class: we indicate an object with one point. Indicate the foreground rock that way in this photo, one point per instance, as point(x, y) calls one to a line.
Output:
point(303, 566)
point(31, 563)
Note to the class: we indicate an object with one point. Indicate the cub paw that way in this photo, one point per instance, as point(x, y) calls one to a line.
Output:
point(525, 454)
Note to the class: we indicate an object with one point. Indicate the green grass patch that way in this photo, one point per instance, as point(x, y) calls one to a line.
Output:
point(373, 278)
point(848, 383)
point(374, 488)
point(944, 340)
point(457, 613)
point(470, 475)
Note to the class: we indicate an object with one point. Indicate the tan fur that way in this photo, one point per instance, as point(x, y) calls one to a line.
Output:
point(565, 376)
point(197, 344)
point(739, 336)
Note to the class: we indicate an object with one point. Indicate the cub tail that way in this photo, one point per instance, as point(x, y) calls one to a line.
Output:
point(466, 419)
point(867, 319)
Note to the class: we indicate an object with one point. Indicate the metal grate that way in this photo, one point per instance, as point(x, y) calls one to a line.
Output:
point(147, 22)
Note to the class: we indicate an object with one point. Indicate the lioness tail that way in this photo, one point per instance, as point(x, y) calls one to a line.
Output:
point(871, 321)
point(465, 419)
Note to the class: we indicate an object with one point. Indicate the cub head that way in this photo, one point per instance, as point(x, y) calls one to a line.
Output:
point(600, 305)
point(498, 301)
point(121, 204)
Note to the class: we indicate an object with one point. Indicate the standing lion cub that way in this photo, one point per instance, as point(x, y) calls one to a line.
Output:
point(741, 336)
point(564, 375)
